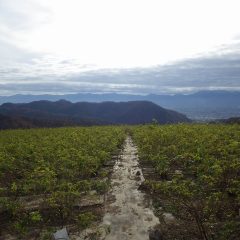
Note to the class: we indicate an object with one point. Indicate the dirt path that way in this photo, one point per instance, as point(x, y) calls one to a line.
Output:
point(129, 216)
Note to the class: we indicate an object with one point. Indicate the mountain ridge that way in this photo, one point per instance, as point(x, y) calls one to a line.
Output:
point(133, 112)
point(200, 105)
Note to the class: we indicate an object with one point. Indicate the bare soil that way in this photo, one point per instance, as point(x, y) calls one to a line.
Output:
point(130, 215)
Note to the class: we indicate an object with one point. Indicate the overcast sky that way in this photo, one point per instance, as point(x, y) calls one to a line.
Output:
point(127, 46)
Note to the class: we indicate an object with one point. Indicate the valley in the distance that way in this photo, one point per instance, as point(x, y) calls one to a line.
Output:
point(200, 106)
point(117, 170)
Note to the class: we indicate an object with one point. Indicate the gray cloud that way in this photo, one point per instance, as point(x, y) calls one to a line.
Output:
point(57, 76)
point(73, 87)
point(22, 71)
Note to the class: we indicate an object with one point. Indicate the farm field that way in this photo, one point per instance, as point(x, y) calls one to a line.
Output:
point(45, 174)
point(51, 178)
point(193, 174)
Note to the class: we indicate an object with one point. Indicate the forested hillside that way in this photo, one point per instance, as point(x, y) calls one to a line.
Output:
point(64, 113)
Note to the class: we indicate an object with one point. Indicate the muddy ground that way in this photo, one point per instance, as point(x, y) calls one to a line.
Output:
point(128, 211)
point(130, 216)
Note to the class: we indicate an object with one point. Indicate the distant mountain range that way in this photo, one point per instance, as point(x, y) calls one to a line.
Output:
point(204, 105)
point(234, 120)
point(65, 113)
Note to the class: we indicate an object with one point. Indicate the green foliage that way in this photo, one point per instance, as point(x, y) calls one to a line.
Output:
point(84, 220)
point(35, 216)
point(51, 169)
point(199, 168)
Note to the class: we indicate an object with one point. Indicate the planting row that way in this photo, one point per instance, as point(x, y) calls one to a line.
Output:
point(195, 179)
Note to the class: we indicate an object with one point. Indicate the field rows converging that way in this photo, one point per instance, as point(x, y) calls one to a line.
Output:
point(145, 182)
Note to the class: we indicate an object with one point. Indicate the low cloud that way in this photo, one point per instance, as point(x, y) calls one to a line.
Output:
point(33, 74)
point(24, 71)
